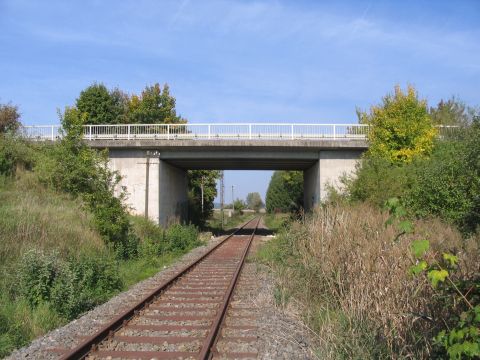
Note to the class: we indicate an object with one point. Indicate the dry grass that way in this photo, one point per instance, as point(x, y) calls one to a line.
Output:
point(353, 282)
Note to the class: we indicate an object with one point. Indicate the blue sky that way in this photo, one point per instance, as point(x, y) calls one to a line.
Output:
point(239, 61)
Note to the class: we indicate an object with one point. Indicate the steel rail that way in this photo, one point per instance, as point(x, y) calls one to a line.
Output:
point(85, 347)
point(205, 352)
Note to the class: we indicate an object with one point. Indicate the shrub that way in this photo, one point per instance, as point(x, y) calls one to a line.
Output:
point(14, 153)
point(155, 241)
point(377, 179)
point(181, 237)
point(71, 286)
point(448, 184)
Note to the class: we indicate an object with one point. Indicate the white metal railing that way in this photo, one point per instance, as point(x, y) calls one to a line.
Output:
point(233, 131)
point(250, 131)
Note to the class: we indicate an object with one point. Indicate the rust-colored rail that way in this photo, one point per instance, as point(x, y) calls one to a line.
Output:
point(207, 282)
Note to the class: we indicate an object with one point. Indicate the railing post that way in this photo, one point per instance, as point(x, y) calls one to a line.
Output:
point(90, 132)
point(209, 131)
point(128, 135)
point(168, 131)
point(250, 131)
point(334, 132)
point(292, 131)
point(52, 134)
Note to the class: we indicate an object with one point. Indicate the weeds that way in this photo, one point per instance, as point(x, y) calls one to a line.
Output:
point(352, 279)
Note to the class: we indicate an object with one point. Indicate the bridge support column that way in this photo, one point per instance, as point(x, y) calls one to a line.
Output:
point(173, 194)
point(327, 172)
point(153, 186)
point(311, 186)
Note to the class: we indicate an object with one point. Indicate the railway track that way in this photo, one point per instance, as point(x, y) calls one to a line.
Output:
point(185, 317)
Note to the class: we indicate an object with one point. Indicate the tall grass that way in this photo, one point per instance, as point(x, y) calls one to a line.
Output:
point(352, 281)
point(33, 216)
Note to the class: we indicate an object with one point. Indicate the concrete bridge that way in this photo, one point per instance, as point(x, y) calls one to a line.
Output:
point(153, 159)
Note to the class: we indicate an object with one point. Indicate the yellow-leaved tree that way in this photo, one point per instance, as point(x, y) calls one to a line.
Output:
point(400, 127)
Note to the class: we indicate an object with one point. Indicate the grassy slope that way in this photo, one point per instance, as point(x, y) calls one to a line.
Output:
point(32, 217)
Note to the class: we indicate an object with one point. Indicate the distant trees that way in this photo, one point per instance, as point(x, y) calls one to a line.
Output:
point(451, 112)
point(154, 105)
point(195, 180)
point(401, 127)
point(101, 106)
point(9, 118)
point(239, 205)
point(254, 201)
point(285, 191)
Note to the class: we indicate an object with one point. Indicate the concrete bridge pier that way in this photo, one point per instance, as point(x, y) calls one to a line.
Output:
point(154, 187)
point(327, 171)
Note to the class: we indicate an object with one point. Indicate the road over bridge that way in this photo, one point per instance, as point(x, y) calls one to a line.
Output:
point(153, 159)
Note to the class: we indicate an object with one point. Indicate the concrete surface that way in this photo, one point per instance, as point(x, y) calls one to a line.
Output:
point(323, 163)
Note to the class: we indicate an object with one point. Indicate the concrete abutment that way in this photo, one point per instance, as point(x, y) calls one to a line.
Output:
point(154, 187)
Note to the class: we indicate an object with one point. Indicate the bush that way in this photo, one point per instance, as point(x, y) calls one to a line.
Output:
point(376, 179)
point(181, 237)
point(448, 184)
point(14, 153)
point(9, 118)
point(71, 286)
point(155, 241)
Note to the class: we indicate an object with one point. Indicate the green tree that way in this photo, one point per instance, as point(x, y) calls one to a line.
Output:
point(154, 106)
point(401, 128)
point(285, 191)
point(239, 205)
point(254, 201)
point(102, 106)
point(195, 180)
point(451, 112)
point(9, 118)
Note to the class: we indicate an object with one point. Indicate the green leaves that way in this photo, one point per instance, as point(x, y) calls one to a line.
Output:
point(405, 226)
point(419, 247)
point(451, 259)
point(398, 213)
point(285, 191)
point(463, 341)
point(400, 127)
point(418, 268)
point(436, 276)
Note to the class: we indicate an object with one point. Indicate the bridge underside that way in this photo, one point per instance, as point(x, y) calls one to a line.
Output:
point(158, 186)
point(234, 160)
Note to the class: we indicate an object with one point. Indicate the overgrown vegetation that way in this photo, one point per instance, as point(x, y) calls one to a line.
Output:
point(155, 105)
point(68, 243)
point(390, 267)
point(353, 282)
